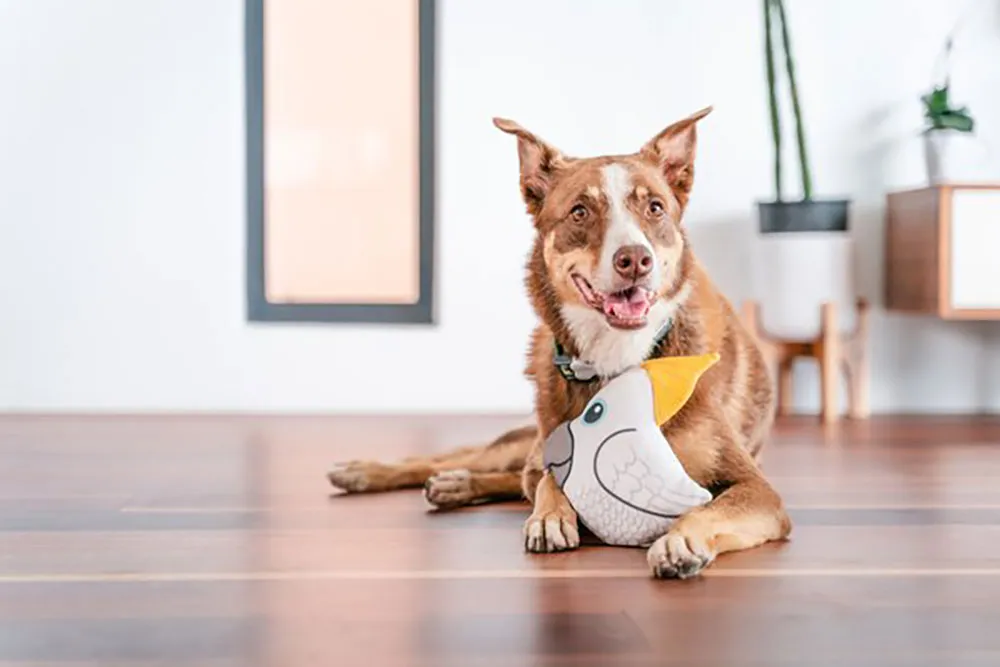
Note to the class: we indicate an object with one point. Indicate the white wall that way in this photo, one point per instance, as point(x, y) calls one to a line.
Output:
point(122, 204)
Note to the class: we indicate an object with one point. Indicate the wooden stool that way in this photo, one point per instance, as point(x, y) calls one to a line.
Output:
point(832, 350)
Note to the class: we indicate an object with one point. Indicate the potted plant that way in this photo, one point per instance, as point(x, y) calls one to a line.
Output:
point(804, 251)
point(946, 126)
point(806, 214)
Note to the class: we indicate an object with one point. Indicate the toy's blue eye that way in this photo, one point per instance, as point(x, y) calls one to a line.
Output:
point(595, 412)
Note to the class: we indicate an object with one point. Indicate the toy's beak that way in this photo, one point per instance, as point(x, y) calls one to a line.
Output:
point(557, 456)
point(673, 380)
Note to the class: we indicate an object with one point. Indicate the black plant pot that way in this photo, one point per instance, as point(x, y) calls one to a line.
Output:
point(828, 215)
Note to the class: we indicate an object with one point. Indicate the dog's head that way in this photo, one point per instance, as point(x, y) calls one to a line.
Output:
point(610, 253)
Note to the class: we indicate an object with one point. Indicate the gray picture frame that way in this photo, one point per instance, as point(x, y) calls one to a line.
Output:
point(259, 309)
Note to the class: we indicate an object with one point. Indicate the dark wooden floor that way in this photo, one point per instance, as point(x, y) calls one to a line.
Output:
point(216, 542)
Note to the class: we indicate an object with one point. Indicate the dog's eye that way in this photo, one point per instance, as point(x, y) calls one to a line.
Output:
point(595, 412)
point(655, 208)
point(579, 212)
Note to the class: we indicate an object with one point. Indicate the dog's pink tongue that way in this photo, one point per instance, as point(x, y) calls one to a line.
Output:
point(627, 306)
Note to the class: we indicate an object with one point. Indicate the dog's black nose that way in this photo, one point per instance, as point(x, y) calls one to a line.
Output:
point(633, 262)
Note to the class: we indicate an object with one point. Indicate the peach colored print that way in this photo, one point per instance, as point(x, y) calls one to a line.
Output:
point(342, 141)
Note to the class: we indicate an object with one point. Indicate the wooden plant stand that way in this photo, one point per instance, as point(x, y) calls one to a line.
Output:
point(832, 350)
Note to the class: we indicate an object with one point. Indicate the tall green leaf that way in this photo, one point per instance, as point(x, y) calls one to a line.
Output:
point(772, 97)
point(799, 131)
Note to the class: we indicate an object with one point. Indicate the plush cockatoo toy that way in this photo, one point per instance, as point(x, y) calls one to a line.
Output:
point(612, 461)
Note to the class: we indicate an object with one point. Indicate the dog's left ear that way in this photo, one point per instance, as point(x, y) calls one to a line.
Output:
point(673, 150)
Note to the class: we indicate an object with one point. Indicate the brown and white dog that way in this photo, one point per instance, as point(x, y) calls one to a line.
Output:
point(614, 282)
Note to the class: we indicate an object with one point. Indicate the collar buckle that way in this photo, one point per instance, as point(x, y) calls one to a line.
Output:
point(577, 370)
point(572, 369)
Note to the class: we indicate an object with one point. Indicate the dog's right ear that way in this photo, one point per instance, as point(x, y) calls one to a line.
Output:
point(538, 160)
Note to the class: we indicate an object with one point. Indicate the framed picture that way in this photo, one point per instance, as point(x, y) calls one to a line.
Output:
point(340, 160)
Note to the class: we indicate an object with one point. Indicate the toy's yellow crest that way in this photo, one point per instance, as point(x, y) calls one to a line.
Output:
point(673, 380)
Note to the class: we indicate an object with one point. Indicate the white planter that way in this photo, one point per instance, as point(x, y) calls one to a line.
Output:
point(795, 273)
point(950, 156)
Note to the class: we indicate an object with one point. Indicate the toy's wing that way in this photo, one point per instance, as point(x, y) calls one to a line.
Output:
point(673, 380)
point(557, 453)
point(645, 478)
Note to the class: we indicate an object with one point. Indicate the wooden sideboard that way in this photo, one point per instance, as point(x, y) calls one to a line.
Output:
point(942, 251)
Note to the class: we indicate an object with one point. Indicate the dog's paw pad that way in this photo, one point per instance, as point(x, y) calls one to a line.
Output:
point(675, 557)
point(451, 488)
point(351, 477)
point(551, 532)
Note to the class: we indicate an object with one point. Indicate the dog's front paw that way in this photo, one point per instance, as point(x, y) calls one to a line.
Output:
point(449, 489)
point(548, 532)
point(681, 553)
point(359, 476)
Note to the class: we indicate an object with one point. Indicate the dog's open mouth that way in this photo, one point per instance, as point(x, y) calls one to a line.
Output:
point(625, 309)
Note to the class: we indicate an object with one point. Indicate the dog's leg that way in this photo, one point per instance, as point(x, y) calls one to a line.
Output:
point(748, 513)
point(505, 454)
point(457, 488)
point(374, 476)
point(552, 525)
